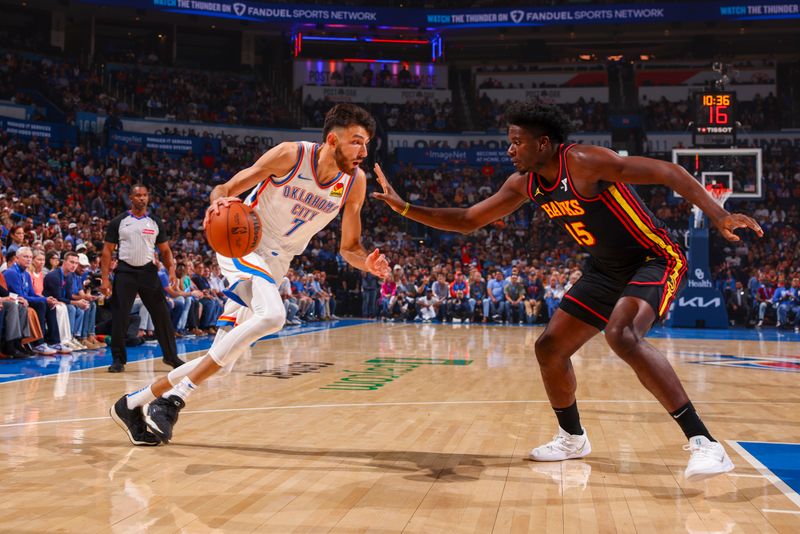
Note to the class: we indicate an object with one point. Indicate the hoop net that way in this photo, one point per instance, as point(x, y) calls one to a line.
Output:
point(719, 193)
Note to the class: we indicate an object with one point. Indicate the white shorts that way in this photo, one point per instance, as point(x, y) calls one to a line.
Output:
point(239, 272)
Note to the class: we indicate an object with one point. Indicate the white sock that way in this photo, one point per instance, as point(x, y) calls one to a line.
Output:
point(140, 398)
point(182, 389)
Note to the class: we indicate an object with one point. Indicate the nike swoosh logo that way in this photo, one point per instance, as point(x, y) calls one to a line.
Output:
point(680, 414)
point(300, 176)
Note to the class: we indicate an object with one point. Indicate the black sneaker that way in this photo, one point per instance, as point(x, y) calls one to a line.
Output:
point(116, 367)
point(161, 416)
point(132, 422)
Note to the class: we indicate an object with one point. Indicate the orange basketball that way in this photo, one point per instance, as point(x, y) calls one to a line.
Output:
point(235, 232)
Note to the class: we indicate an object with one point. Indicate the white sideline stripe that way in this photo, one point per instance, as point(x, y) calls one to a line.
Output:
point(769, 475)
point(382, 404)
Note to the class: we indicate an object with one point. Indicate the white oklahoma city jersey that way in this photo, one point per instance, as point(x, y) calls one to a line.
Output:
point(295, 207)
point(292, 208)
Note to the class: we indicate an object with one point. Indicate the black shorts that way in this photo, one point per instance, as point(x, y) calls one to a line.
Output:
point(594, 295)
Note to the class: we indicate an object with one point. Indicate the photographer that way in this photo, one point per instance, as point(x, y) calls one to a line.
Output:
point(87, 288)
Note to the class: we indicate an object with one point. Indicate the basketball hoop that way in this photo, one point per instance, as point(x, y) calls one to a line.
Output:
point(719, 193)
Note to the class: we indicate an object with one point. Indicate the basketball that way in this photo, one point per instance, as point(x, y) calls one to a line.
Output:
point(235, 232)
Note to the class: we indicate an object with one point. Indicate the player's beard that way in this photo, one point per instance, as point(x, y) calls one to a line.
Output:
point(345, 165)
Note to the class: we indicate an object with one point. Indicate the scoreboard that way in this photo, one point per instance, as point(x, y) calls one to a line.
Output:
point(714, 118)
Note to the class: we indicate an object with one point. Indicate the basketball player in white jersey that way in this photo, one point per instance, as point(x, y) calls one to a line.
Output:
point(298, 188)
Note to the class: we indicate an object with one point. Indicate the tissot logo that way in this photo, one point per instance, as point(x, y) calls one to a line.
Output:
point(517, 16)
point(239, 9)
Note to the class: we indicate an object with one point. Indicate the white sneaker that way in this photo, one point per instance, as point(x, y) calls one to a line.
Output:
point(564, 446)
point(42, 348)
point(708, 459)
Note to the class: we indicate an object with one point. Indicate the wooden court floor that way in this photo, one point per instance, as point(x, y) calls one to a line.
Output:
point(409, 428)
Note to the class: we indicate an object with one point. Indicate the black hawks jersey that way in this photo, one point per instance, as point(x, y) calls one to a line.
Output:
point(614, 227)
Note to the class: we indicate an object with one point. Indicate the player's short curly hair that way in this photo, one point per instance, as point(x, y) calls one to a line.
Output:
point(344, 115)
point(540, 118)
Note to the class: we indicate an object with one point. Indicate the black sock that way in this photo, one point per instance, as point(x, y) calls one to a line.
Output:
point(569, 419)
point(690, 422)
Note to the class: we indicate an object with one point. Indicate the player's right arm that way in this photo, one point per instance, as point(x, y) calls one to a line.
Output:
point(277, 161)
point(505, 201)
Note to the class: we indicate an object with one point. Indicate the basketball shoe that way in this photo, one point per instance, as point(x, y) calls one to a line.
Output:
point(564, 446)
point(132, 422)
point(708, 459)
point(162, 414)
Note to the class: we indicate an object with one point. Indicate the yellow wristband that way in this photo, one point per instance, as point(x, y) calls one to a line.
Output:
point(405, 210)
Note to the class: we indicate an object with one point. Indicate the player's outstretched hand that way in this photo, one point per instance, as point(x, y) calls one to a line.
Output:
point(216, 205)
point(389, 195)
point(734, 221)
point(378, 265)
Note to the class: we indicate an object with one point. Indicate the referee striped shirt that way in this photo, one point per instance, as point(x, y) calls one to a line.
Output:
point(136, 237)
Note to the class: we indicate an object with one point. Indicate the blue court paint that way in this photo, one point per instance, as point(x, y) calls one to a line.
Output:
point(14, 370)
point(733, 334)
point(781, 459)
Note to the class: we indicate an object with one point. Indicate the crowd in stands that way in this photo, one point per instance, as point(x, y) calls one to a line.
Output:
point(422, 114)
point(498, 83)
point(206, 96)
point(67, 84)
point(349, 76)
point(586, 115)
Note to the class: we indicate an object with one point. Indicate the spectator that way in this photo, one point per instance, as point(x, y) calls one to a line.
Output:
point(369, 295)
point(289, 302)
point(494, 305)
point(738, 305)
point(19, 282)
point(553, 294)
point(426, 307)
point(514, 294)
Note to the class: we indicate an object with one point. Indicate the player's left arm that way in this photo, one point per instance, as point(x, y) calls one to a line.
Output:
point(350, 248)
point(607, 165)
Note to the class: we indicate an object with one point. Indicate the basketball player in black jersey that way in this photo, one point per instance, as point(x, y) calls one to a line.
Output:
point(635, 269)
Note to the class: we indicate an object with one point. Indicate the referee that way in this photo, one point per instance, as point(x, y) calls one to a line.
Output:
point(137, 234)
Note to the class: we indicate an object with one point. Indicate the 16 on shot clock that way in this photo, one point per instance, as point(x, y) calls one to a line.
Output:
point(714, 118)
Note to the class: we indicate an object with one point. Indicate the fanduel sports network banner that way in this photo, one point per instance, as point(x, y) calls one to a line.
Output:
point(167, 143)
point(55, 134)
point(464, 18)
point(371, 95)
point(550, 95)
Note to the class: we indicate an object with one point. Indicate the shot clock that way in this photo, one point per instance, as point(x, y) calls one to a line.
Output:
point(714, 118)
